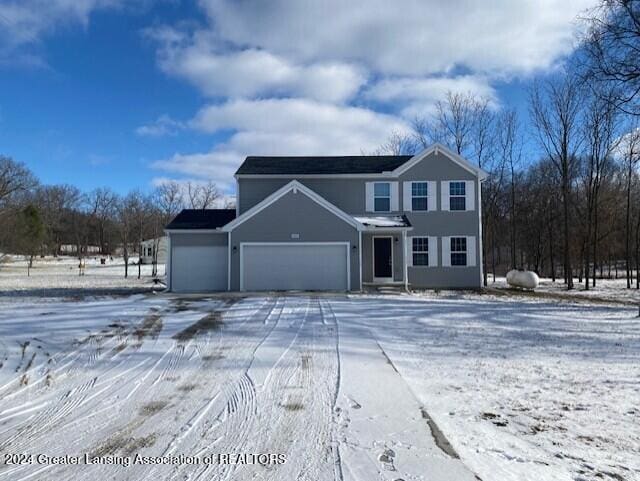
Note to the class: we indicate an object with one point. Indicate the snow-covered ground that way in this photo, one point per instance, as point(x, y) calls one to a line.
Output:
point(55, 275)
point(345, 387)
point(605, 290)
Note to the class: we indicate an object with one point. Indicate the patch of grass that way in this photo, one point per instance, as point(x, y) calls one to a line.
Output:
point(187, 387)
point(151, 327)
point(210, 322)
point(212, 357)
point(153, 407)
point(127, 444)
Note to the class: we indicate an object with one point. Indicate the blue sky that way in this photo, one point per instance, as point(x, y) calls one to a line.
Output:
point(128, 93)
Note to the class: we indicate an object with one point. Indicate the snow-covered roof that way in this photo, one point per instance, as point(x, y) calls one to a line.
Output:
point(384, 221)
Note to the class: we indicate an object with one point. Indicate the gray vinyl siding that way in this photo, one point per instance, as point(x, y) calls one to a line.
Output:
point(348, 194)
point(443, 223)
point(179, 239)
point(295, 213)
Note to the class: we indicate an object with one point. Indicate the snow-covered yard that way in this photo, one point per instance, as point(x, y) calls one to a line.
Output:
point(606, 290)
point(346, 387)
point(60, 275)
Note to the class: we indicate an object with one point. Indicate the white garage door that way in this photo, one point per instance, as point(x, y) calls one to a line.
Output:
point(199, 268)
point(284, 267)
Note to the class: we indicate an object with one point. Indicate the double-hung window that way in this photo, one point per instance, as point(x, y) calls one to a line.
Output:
point(419, 196)
point(457, 196)
point(382, 197)
point(420, 251)
point(458, 251)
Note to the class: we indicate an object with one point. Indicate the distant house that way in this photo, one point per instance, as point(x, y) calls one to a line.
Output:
point(72, 249)
point(147, 250)
point(336, 223)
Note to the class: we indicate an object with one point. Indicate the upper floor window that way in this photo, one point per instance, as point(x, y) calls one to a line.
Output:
point(457, 196)
point(382, 197)
point(420, 251)
point(419, 195)
point(458, 251)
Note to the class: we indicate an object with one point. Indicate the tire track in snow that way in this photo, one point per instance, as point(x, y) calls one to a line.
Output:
point(295, 403)
point(233, 410)
point(230, 394)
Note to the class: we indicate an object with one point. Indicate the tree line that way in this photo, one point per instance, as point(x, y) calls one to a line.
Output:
point(562, 197)
point(40, 219)
point(563, 194)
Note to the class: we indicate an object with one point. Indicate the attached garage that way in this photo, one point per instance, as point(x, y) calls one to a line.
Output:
point(199, 251)
point(281, 266)
point(199, 268)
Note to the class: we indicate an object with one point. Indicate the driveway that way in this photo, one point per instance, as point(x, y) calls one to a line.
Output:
point(228, 377)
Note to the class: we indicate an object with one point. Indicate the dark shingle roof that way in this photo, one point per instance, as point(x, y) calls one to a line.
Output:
point(355, 164)
point(202, 219)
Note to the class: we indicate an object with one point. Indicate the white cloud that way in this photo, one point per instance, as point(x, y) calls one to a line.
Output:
point(163, 125)
point(290, 74)
point(280, 127)
point(25, 21)
point(416, 96)
point(406, 37)
point(217, 165)
point(199, 58)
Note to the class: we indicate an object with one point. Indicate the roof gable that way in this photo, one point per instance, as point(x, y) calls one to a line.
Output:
point(294, 186)
point(439, 148)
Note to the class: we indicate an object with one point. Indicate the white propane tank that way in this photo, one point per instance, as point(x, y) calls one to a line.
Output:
point(523, 279)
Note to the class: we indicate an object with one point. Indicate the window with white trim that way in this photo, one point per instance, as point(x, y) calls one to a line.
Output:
point(420, 251)
point(419, 196)
point(382, 197)
point(457, 196)
point(458, 251)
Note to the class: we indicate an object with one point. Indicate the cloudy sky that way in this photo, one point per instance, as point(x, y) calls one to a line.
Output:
point(127, 93)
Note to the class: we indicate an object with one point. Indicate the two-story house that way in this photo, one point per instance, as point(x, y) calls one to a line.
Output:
point(336, 223)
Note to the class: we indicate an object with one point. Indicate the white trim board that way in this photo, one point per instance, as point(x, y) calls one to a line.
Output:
point(293, 186)
point(347, 246)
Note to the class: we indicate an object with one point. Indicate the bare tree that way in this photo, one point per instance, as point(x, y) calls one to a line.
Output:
point(455, 119)
point(169, 197)
point(630, 151)
point(102, 205)
point(600, 127)
point(132, 212)
point(612, 46)
point(15, 178)
point(555, 111)
point(167, 202)
point(398, 143)
point(202, 195)
point(510, 145)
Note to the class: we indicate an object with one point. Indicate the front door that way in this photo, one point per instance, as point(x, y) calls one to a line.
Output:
point(382, 259)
